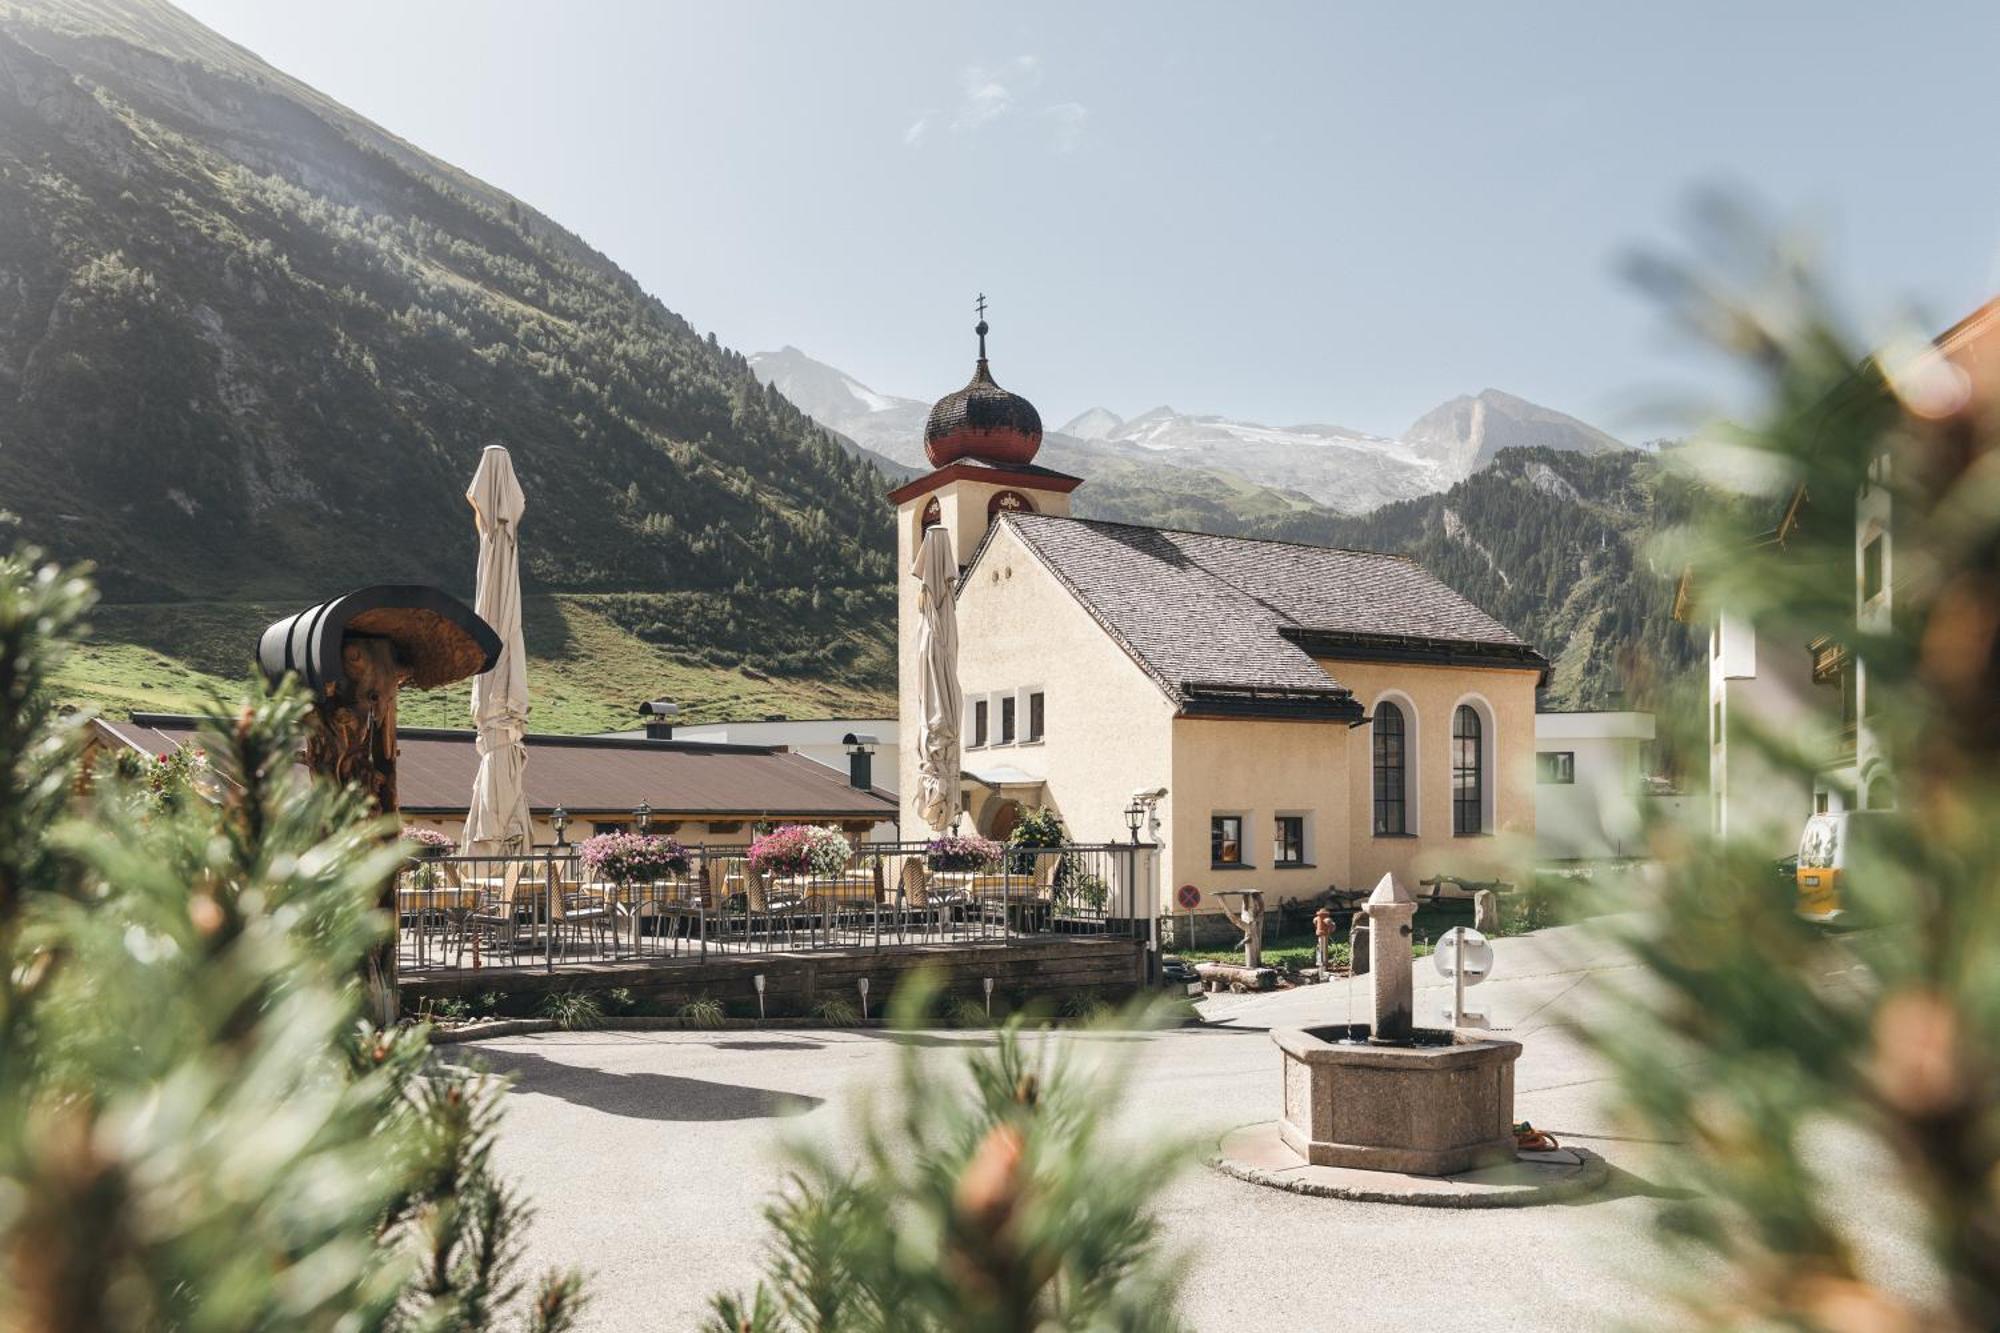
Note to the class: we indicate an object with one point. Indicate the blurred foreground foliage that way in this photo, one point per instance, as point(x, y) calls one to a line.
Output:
point(988, 1198)
point(197, 1131)
point(1833, 1096)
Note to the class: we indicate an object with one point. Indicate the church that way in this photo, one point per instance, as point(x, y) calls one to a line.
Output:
point(1290, 717)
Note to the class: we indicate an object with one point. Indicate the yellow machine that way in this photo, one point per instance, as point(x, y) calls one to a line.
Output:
point(1823, 852)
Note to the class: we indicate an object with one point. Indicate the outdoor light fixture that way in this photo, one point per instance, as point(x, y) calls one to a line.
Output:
point(863, 984)
point(989, 997)
point(758, 981)
point(560, 818)
point(644, 814)
point(1135, 815)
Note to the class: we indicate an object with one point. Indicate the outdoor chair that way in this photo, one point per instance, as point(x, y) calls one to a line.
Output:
point(588, 908)
point(430, 902)
point(499, 914)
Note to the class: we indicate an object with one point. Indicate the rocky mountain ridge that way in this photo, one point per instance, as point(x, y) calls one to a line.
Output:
point(1327, 466)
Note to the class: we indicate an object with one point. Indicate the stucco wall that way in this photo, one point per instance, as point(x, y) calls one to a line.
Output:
point(1428, 696)
point(1259, 770)
point(1107, 723)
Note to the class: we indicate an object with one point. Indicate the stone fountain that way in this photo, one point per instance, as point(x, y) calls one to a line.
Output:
point(1388, 1095)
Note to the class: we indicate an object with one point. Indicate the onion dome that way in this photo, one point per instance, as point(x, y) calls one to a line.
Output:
point(983, 421)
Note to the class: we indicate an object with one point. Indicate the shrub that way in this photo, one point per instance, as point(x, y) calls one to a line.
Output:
point(572, 1009)
point(154, 1183)
point(801, 849)
point(838, 1012)
point(703, 1012)
point(170, 777)
point(1040, 827)
point(962, 1012)
point(632, 858)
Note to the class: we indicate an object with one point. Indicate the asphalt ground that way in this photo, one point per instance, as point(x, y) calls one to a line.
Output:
point(649, 1156)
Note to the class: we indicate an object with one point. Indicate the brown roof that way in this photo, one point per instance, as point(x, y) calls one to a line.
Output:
point(1235, 623)
point(587, 774)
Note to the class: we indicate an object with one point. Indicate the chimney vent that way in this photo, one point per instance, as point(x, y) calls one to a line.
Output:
point(860, 760)
point(659, 715)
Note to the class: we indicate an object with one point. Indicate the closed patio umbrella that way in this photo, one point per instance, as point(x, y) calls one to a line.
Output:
point(939, 700)
point(498, 819)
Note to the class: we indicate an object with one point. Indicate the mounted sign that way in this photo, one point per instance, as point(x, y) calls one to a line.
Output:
point(1463, 955)
point(1189, 897)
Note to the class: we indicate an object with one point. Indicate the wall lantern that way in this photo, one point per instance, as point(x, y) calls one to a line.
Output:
point(644, 814)
point(559, 817)
point(1135, 815)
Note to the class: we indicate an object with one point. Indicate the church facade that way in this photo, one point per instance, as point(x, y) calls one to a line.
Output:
point(1291, 717)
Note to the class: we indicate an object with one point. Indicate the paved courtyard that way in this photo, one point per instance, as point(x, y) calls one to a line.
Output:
point(649, 1156)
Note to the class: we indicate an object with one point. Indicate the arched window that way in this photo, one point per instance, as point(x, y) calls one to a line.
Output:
point(1468, 772)
point(1391, 810)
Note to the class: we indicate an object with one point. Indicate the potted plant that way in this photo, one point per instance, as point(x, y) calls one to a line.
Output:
point(429, 843)
point(955, 851)
point(634, 858)
point(801, 849)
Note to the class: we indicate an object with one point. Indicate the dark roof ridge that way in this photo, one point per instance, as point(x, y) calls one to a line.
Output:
point(194, 721)
point(1217, 536)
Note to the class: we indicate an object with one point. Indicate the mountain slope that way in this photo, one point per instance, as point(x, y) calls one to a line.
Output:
point(1554, 544)
point(251, 346)
point(1465, 434)
point(1245, 466)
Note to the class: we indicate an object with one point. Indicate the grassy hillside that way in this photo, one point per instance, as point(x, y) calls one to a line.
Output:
point(251, 347)
point(587, 671)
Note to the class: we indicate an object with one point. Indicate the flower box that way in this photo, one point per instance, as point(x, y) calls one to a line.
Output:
point(634, 858)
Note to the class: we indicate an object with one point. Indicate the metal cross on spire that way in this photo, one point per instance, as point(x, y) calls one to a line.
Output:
point(980, 305)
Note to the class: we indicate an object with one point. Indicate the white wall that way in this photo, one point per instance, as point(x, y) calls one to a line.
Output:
point(1596, 816)
point(817, 739)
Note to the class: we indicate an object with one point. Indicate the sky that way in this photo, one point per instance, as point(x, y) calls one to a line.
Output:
point(1316, 212)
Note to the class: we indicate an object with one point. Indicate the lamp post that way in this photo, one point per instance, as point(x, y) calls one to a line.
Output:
point(559, 817)
point(1135, 815)
point(644, 816)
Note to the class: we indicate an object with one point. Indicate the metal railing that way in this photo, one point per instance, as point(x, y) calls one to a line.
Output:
point(548, 909)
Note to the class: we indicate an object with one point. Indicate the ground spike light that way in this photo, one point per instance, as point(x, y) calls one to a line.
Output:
point(758, 981)
point(989, 996)
point(863, 985)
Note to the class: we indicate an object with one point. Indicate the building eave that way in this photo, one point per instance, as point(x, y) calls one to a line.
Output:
point(1356, 647)
point(1035, 478)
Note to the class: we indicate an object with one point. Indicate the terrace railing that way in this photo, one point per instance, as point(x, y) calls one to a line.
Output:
point(547, 909)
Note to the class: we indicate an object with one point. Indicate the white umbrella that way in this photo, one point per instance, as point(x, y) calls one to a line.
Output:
point(498, 819)
point(939, 700)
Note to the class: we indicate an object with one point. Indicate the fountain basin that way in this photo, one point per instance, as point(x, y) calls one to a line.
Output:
point(1441, 1105)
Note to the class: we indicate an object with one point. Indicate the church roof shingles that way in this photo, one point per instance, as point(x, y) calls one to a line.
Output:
point(1230, 625)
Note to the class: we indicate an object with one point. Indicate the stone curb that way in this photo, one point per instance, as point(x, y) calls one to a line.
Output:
point(514, 1027)
point(1590, 1174)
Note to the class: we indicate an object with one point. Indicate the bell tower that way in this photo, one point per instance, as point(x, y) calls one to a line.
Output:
point(981, 442)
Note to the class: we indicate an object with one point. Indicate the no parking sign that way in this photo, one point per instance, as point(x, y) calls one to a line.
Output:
point(1189, 897)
